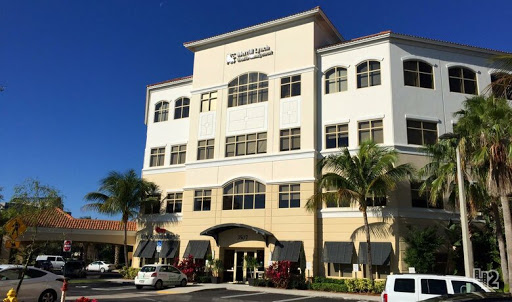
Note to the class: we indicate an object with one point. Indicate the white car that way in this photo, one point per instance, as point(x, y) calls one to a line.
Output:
point(100, 266)
point(159, 275)
point(38, 285)
point(419, 287)
point(57, 261)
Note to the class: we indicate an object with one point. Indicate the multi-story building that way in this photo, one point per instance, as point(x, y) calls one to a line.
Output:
point(234, 147)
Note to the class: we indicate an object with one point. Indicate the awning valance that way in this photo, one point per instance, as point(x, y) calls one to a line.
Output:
point(338, 252)
point(381, 252)
point(197, 248)
point(140, 248)
point(216, 230)
point(287, 251)
point(169, 248)
point(149, 250)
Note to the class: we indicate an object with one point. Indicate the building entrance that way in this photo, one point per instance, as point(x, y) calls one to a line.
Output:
point(235, 264)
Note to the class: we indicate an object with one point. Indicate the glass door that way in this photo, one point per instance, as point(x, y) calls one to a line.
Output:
point(239, 271)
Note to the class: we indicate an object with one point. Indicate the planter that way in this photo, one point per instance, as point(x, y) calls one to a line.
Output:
point(215, 280)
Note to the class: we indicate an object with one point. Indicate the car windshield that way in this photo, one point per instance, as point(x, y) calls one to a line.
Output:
point(148, 269)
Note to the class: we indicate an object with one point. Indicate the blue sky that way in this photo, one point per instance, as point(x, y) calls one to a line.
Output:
point(75, 71)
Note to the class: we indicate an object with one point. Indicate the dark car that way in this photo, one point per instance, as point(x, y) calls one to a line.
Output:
point(44, 265)
point(475, 296)
point(75, 268)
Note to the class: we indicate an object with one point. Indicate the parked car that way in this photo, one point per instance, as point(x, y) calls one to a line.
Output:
point(75, 268)
point(57, 261)
point(100, 266)
point(44, 265)
point(159, 275)
point(476, 296)
point(419, 287)
point(38, 285)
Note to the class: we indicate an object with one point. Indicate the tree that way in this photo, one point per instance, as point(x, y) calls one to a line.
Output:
point(486, 130)
point(121, 194)
point(422, 245)
point(372, 172)
point(501, 85)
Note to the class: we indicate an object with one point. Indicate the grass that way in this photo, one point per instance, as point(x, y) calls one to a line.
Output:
point(83, 281)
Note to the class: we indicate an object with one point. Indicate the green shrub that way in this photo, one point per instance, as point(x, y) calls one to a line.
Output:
point(129, 272)
point(347, 285)
point(329, 287)
point(204, 279)
point(379, 286)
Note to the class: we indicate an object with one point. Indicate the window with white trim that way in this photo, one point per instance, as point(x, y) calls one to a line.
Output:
point(178, 154)
point(421, 132)
point(368, 74)
point(243, 194)
point(174, 202)
point(246, 144)
point(336, 136)
point(181, 108)
point(161, 111)
point(418, 74)
point(423, 200)
point(205, 149)
point(371, 130)
point(336, 80)
point(248, 88)
point(289, 139)
point(462, 80)
point(209, 101)
point(289, 196)
point(157, 157)
point(290, 86)
point(202, 200)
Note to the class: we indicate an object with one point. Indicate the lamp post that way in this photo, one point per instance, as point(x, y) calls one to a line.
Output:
point(467, 246)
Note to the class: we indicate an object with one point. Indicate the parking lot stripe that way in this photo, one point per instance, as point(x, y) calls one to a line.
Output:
point(294, 299)
point(242, 295)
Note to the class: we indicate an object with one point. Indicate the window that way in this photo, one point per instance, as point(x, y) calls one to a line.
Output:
point(209, 101)
point(421, 132)
point(418, 74)
point(433, 287)
point(289, 196)
point(32, 273)
point(462, 287)
point(371, 130)
point(290, 86)
point(290, 139)
point(339, 270)
point(181, 108)
point(161, 111)
point(376, 201)
point(335, 80)
point(243, 194)
point(368, 74)
point(174, 201)
point(404, 285)
point(157, 157)
point(178, 154)
point(462, 80)
point(336, 136)
point(202, 200)
point(423, 201)
point(205, 149)
point(502, 85)
point(151, 207)
point(333, 199)
point(248, 88)
point(246, 144)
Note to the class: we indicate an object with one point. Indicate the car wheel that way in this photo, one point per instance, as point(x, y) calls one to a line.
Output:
point(102, 270)
point(183, 282)
point(48, 296)
point(138, 286)
point(159, 284)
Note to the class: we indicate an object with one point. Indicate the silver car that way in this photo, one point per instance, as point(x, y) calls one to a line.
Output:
point(38, 285)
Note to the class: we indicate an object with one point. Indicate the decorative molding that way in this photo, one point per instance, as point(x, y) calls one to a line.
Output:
point(166, 169)
point(332, 65)
point(281, 74)
point(247, 119)
point(386, 212)
point(209, 89)
point(290, 113)
point(433, 63)
point(206, 125)
point(290, 180)
point(423, 118)
point(174, 191)
point(371, 117)
point(335, 122)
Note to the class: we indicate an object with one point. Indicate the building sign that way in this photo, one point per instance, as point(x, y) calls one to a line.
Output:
point(159, 236)
point(250, 54)
point(242, 237)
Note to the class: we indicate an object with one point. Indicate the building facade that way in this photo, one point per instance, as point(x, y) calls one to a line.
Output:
point(234, 148)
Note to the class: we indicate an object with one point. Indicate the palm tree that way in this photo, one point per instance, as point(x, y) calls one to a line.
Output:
point(501, 85)
point(485, 126)
point(371, 172)
point(121, 194)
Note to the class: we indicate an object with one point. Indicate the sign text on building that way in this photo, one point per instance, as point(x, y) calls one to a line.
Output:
point(253, 53)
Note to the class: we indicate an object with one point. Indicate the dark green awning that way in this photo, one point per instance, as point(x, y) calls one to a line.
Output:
point(169, 248)
point(149, 250)
point(381, 252)
point(140, 248)
point(338, 252)
point(287, 251)
point(197, 248)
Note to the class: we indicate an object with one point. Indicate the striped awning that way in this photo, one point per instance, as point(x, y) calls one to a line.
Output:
point(140, 247)
point(169, 248)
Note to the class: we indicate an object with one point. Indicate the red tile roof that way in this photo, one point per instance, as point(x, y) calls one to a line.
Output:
point(57, 218)
point(170, 81)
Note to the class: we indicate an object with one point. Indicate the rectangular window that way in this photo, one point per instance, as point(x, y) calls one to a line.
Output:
point(376, 201)
point(422, 201)
point(152, 207)
point(290, 86)
point(202, 200)
point(174, 201)
point(421, 132)
point(339, 270)
point(246, 144)
point(178, 154)
point(289, 196)
point(209, 101)
point(336, 136)
point(157, 157)
point(290, 139)
point(333, 200)
point(371, 130)
point(205, 149)
point(404, 285)
point(433, 287)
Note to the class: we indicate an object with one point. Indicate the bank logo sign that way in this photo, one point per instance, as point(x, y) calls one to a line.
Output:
point(250, 54)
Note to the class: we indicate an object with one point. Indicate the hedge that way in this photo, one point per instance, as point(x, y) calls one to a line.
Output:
point(347, 285)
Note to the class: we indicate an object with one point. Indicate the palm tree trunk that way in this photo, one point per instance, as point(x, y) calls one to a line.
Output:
point(369, 255)
point(125, 244)
point(501, 241)
point(507, 221)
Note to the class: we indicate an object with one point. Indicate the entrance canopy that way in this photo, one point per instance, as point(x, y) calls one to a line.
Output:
point(216, 230)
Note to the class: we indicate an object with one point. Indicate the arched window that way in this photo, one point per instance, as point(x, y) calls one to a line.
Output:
point(335, 80)
point(368, 74)
point(243, 194)
point(248, 88)
point(161, 111)
point(462, 80)
point(501, 85)
point(181, 108)
point(418, 74)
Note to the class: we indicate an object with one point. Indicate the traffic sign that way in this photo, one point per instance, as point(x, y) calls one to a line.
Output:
point(12, 244)
point(158, 246)
point(15, 228)
point(67, 246)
